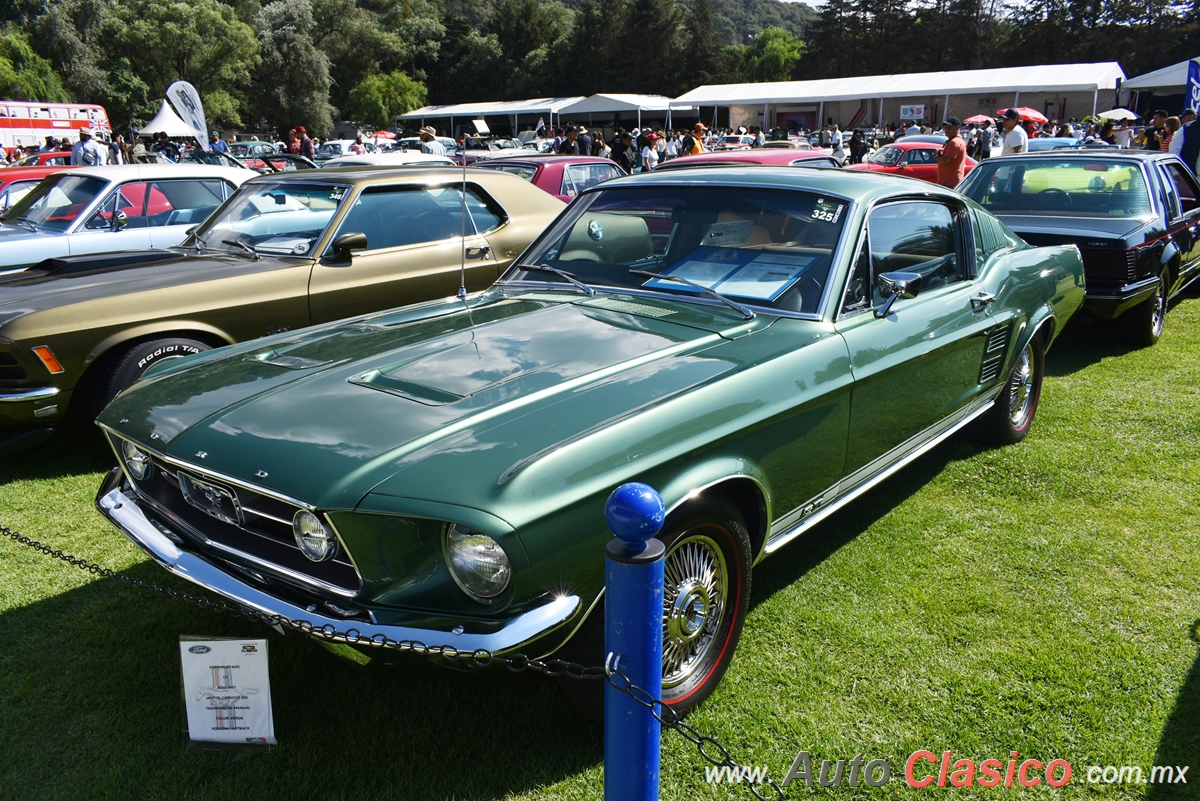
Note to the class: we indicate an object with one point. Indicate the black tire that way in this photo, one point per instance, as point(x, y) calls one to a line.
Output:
point(129, 366)
point(711, 525)
point(1144, 322)
point(1009, 420)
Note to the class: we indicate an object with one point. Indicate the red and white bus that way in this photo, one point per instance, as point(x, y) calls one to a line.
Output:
point(25, 123)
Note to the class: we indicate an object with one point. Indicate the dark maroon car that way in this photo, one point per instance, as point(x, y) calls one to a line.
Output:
point(780, 157)
point(562, 176)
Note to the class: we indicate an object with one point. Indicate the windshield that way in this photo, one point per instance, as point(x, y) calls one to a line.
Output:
point(284, 218)
point(886, 155)
point(57, 201)
point(764, 247)
point(1068, 187)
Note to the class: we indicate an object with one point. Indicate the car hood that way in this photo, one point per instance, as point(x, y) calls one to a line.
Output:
point(327, 414)
point(17, 233)
point(55, 283)
point(1081, 231)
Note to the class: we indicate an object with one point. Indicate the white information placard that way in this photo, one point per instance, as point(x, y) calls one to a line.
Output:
point(227, 691)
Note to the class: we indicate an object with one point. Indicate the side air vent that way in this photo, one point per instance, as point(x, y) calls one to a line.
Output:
point(994, 348)
point(9, 369)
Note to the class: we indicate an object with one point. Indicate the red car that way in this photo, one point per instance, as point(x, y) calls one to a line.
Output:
point(16, 181)
point(914, 159)
point(773, 156)
point(562, 176)
point(56, 158)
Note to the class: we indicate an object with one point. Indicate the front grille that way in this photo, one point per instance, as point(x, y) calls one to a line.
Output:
point(9, 369)
point(1109, 265)
point(263, 541)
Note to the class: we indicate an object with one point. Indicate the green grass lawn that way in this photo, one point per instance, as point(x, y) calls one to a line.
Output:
point(1042, 598)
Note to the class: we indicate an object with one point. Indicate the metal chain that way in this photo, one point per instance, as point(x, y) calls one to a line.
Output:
point(479, 658)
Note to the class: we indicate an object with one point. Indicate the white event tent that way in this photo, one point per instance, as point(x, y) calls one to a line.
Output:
point(1173, 77)
point(168, 122)
point(962, 92)
point(624, 103)
point(550, 106)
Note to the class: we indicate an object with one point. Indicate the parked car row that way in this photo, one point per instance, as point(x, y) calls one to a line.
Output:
point(395, 401)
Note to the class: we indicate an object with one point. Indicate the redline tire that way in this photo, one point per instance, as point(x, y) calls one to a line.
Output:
point(1009, 420)
point(706, 593)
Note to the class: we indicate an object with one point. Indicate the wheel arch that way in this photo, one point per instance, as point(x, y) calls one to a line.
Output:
point(739, 483)
point(102, 356)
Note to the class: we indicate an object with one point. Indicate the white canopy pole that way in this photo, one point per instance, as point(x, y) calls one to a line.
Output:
point(881, 112)
point(765, 125)
point(639, 119)
point(945, 109)
point(1017, 98)
point(1095, 101)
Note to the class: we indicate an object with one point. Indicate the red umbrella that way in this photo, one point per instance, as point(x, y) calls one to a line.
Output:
point(1027, 114)
point(978, 119)
point(383, 135)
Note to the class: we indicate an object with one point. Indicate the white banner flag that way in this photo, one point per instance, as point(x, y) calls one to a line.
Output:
point(186, 100)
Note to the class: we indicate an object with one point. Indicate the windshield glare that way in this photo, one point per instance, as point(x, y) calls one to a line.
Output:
point(886, 155)
point(283, 218)
point(1072, 187)
point(57, 202)
point(763, 247)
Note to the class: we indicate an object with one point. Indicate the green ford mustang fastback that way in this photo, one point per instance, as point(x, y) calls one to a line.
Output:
point(761, 345)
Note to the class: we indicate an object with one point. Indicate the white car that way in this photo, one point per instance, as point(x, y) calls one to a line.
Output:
point(414, 143)
point(333, 148)
point(104, 209)
point(395, 158)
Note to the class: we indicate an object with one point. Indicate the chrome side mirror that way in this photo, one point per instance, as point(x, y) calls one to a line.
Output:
point(896, 285)
point(120, 220)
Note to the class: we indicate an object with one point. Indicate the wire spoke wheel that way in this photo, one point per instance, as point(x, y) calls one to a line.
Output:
point(695, 588)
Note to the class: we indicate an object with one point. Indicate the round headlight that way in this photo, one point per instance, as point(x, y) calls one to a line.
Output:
point(137, 461)
point(315, 540)
point(477, 562)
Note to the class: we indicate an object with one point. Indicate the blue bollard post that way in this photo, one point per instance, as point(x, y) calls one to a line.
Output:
point(633, 590)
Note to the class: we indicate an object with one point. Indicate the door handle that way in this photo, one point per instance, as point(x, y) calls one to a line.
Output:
point(982, 300)
point(479, 252)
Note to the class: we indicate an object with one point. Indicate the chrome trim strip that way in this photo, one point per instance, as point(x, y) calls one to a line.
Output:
point(792, 530)
point(237, 482)
point(126, 515)
point(20, 396)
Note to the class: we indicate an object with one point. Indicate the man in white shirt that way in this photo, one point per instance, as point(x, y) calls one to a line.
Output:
point(913, 130)
point(429, 142)
point(86, 152)
point(1015, 138)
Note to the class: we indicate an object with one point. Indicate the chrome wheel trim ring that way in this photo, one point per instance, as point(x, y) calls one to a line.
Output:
point(1158, 308)
point(1021, 389)
point(695, 602)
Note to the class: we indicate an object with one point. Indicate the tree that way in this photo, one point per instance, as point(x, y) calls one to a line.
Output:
point(198, 41)
point(291, 85)
point(24, 75)
point(773, 56)
point(704, 59)
point(649, 47)
point(377, 100)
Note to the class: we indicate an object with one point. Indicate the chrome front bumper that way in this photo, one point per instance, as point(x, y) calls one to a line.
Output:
point(500, 637)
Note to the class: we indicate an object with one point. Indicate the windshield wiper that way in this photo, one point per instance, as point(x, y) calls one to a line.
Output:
point(546, 268)
point(744, 310)
point(24, 222)
point(239, 243)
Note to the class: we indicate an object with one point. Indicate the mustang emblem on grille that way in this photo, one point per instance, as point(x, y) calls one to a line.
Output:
point(211, 499)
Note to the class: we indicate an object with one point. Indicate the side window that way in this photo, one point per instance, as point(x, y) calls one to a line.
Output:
point(183, 201)
point(393, 217)
point(578, 177)
point(908, 236)
point(1185, 186)
point(920, 156)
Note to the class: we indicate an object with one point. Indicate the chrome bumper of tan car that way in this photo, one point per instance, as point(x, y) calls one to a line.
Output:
point(497, 637)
